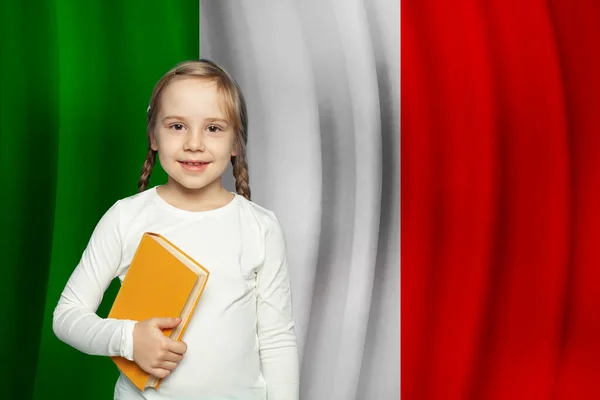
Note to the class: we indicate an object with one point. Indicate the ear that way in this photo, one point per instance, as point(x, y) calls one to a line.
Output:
point(153, 143)
point(234, 149)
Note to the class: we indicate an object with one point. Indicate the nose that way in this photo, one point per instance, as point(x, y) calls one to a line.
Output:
point(194, 141)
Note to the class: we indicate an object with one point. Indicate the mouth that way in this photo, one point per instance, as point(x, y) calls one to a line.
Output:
point(194, 163)
point(194, 166)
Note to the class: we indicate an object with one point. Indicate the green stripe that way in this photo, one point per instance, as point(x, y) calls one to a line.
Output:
point(76, 78)
point(28, 165)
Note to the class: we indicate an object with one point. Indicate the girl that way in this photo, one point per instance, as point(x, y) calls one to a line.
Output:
point(240, 343)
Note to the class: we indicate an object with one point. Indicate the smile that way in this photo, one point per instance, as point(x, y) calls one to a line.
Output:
point(197, 166)
point(193, 162)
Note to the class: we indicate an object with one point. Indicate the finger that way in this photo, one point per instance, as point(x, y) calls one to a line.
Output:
point(167, 323)
point(177, 346)
point(168, 365)
point(170, 356)
point(160, 372)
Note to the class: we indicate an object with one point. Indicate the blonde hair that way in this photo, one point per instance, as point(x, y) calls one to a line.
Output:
point(234, 107)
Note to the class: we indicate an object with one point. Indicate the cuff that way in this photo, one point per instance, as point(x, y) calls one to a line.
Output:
point(127, 339)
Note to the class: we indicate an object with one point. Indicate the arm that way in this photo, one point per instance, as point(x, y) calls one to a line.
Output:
point(75, 320)
point(277, 340)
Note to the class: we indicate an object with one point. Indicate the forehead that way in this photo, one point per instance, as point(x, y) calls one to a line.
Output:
point(192, 97)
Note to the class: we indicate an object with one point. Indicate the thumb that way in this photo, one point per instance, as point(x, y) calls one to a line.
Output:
point(167, 323)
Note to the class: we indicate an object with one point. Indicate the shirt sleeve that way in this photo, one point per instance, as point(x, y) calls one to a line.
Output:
point(75, 321)
point(277, 339)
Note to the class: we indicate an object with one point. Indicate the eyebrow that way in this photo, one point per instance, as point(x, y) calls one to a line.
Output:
point(172, 117)
point(214, 119)
point(217, 120)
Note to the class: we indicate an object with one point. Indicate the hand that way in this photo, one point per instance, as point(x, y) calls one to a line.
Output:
point(155, 353)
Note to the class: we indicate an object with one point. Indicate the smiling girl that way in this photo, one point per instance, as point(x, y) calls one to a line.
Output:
point(240, 343)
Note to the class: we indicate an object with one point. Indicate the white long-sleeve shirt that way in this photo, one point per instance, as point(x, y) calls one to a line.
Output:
point(240, 340)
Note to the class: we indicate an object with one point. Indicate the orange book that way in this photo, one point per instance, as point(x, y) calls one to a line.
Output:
point(162, 281)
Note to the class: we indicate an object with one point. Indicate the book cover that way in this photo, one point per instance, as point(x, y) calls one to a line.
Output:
point(162, 281)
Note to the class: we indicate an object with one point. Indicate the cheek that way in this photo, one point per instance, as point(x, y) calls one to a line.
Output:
point(223, 148)
point(168, 146)
point(224, 153)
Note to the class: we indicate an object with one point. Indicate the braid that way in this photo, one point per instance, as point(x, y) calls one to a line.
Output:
point(147, 170)
point(240, 172)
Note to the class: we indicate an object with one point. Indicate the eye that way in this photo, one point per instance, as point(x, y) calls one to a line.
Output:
point(214, 128)
point(177, 127)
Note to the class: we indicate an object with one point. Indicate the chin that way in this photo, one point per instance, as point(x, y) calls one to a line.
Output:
point(202, 180)
point(192, 184)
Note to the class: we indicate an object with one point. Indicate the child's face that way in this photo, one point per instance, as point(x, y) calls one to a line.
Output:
point(194, 139)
